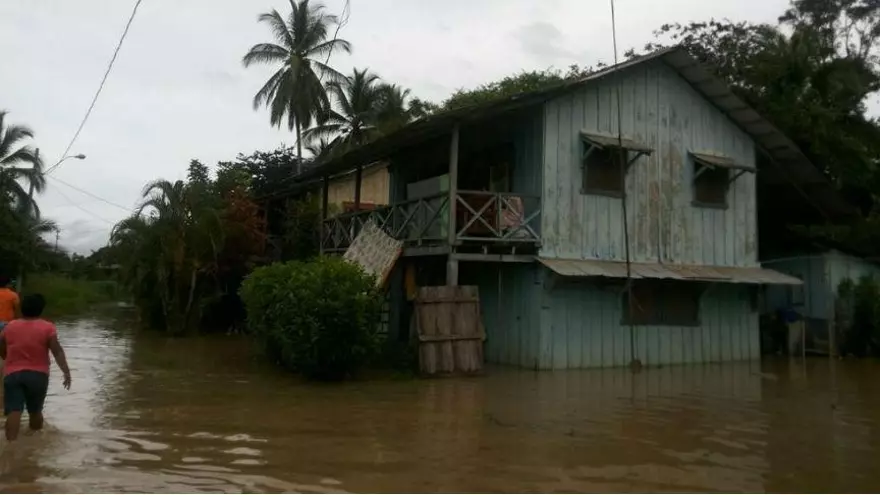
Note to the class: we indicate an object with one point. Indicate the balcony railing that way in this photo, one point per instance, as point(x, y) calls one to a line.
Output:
point(481, 218)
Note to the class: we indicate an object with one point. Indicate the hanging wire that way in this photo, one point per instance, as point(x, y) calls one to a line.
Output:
point(623, 197)
point(100, 87)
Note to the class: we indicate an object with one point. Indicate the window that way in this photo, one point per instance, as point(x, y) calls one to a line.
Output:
point(663, 302)
point(710, 187)
point(713, 175)
point(602, 174)
point(602, 158)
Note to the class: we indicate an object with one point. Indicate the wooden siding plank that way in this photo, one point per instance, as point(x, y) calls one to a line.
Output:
point(565, 175)
point(552, 188)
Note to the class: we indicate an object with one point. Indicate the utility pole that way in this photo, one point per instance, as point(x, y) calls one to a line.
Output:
point(57, 235)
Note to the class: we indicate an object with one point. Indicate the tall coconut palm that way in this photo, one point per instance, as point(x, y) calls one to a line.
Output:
point(357, 99)
point(17, 164)
point(295, 92)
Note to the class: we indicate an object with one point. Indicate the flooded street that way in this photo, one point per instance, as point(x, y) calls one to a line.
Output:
point(181, 415)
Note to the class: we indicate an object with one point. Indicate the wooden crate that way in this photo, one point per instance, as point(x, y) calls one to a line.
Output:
point(450, 330)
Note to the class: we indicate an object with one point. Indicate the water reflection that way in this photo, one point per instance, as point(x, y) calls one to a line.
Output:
point(154, 414)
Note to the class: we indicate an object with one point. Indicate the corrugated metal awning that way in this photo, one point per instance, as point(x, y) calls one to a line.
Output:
point(713, 160)
point(604, 141)
point(694, 273)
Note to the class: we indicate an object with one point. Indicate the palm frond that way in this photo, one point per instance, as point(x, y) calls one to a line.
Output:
point(264, 53)
point(279, 28)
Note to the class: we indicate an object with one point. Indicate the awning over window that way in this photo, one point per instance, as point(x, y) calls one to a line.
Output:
point(606, 141)
point(712, 160)
point(694, 273)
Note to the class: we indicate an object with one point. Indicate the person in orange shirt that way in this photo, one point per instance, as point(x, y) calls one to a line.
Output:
point(9, 302)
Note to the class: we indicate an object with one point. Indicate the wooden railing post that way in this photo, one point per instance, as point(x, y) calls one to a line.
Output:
point(451, 263)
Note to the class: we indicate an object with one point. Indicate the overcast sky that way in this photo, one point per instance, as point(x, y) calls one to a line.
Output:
point(178, 89)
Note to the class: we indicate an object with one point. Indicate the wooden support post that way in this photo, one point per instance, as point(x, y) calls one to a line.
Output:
point(452, 263)
point(358, 180)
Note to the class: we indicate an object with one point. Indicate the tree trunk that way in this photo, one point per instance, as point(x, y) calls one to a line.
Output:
point(299, 148)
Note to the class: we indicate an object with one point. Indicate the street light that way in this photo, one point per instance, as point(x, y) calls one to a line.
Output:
point(53, 167)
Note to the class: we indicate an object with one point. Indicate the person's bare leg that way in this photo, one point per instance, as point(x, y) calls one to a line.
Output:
point(35, 421)
point(13, 424)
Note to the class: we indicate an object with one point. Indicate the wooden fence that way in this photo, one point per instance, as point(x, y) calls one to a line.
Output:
point(450, 330)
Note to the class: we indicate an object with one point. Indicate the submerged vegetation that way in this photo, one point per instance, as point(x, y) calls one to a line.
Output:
point(317, 317)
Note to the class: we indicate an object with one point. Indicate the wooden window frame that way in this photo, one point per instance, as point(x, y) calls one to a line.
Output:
point(653, 300)
point(714, 173)
point(606, 152)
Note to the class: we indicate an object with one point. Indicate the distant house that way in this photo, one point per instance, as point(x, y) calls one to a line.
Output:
point(822, 271)
point(524, 198)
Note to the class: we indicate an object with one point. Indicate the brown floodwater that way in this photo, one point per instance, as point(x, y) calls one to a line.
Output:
point(149, 414)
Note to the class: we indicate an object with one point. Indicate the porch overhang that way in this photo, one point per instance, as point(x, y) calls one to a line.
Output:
point(691, 273)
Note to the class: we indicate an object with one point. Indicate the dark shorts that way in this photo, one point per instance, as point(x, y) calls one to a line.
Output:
point(25, 388)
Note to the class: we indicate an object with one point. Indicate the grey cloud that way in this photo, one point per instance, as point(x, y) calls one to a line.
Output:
point(543, 41)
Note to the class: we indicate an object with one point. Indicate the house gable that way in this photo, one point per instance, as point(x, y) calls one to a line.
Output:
point(662, 112)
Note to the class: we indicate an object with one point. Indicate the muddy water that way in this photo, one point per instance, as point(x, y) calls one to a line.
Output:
point(160, 415)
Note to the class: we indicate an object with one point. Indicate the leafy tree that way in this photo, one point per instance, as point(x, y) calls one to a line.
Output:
point(511, 85)
point(295, 92)
point(188, 245)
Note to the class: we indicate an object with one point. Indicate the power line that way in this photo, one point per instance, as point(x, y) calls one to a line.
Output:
point(85, 210)
point(343, 20)
point(95, 196)
point(101, 86)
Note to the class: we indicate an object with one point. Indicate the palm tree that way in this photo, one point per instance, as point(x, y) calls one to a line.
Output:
point(396, 108)
point(357, 99)
point(295, 92)
point(12, 157)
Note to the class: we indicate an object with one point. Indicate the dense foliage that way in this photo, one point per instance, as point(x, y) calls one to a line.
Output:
point(316, 317)
point(189, 244)
point(512, 85)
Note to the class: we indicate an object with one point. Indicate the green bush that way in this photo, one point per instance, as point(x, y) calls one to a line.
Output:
point(317, 317)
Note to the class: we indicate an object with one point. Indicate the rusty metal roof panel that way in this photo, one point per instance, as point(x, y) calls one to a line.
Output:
point(613, 141)
point(714, 160)
point(693, 273)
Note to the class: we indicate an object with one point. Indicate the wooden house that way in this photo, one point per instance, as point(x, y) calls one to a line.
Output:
point(822, 270)
point(524, 198)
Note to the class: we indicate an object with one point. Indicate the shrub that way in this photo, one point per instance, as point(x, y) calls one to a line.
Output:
point(317, 317)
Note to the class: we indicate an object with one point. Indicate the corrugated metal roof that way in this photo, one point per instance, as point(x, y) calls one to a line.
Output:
point(705, 273)
point(784, 152)
point(714, 160)
point(613, 141)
